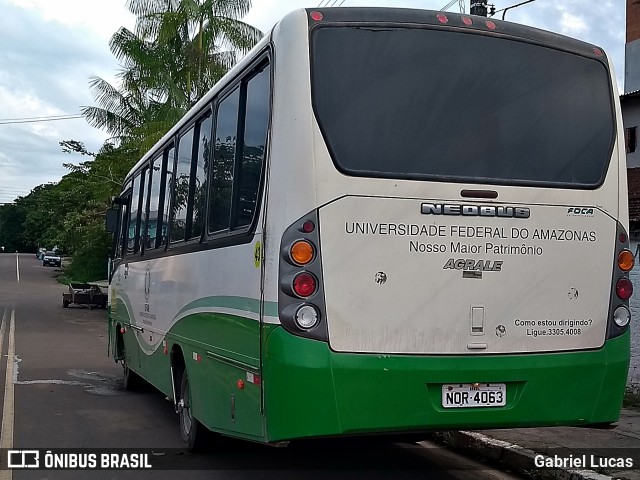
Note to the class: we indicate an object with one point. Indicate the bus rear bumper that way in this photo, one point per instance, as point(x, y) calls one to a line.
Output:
point(311, 391)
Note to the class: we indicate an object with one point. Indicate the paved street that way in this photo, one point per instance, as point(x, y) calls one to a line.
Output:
point(63, 391)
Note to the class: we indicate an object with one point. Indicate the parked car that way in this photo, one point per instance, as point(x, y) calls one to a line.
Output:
point(51, 258)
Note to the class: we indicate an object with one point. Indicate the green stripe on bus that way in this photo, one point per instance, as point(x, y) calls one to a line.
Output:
point(245, 304)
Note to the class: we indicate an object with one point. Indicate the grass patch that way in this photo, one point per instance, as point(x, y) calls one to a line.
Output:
point(632, 397)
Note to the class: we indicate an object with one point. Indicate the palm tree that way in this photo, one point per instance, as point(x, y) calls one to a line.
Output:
point(203, 34)
point(179, 50)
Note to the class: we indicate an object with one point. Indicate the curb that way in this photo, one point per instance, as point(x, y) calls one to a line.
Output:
point(511, 456)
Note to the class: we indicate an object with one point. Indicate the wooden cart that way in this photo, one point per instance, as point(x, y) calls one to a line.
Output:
point(84, 294)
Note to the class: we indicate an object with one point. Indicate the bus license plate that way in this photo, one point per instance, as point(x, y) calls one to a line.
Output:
point(466, 395)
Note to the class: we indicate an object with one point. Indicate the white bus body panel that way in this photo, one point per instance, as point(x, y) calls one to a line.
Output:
point(398, 281)
point(423, 308)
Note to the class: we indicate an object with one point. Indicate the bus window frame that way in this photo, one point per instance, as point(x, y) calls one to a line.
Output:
point(200, 119)
point(239, 236)
point(121, 236)
point(139, 174)
point(222, 238)
point(187, 226)
point(194, 123)
point(152, 159)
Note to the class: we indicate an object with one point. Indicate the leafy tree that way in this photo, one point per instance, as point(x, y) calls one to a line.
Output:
point(179, 49)
point(201, 35)
point(11, 219)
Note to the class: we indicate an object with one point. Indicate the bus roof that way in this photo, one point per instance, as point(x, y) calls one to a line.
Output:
point(395, 16)
point(349, 15)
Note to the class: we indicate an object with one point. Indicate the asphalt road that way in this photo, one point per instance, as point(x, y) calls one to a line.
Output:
point(60, 390)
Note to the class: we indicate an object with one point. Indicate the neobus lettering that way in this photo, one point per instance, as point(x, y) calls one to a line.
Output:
point(475, 210)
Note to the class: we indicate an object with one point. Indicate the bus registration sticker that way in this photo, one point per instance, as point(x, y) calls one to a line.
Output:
point(465, 395)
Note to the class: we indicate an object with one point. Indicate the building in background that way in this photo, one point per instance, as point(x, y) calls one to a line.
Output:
point(630, 101)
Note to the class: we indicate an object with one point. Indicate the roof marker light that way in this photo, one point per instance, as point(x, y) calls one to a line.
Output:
point(467, 21)
point(598, 52)
point(317, 16)
point(442, 18)
point(490, 25)
point(308, 226)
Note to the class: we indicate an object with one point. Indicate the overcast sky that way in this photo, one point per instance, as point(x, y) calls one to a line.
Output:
point(50, 48)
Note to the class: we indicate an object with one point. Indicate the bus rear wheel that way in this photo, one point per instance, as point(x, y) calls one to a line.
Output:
point(193, 433)
point(132, 381)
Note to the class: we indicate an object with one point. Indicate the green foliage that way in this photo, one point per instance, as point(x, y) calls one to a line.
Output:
point(632, 397)
point(89, 262)
point(12, 218)
point(179, 49)
point(70, 213)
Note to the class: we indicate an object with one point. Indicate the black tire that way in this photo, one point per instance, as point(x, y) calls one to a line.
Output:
point(65, 303)
point(193, 433)
point(131, 380)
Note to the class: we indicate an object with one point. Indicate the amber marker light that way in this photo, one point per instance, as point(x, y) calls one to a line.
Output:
point(626, 260)
point(301, 252)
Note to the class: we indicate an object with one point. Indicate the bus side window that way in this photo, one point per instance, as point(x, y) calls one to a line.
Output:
point(223, 162)
point(134, 210)
point(144, 205)
point(123, 229)
point(254, 142)
point(181, 187)
point(165, 197)
point(200, 168)
point(154, 203)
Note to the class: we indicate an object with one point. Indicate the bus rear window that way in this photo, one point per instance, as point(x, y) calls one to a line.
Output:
point(421, 103)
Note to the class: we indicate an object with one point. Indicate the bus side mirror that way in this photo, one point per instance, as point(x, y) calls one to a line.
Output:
point(111, 220)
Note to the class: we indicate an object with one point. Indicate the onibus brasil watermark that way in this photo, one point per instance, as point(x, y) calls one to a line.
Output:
point(70, 460)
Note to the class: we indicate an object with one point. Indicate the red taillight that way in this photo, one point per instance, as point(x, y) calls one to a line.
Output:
point(623, 238)
point(624, 289)
point(304, 284)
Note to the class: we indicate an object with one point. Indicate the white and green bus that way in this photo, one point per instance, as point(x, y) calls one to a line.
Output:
point(383, 221)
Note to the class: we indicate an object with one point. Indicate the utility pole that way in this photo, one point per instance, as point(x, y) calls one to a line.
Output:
point(479, 7)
